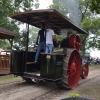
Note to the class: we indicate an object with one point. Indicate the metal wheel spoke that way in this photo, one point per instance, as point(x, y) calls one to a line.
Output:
point(85, 71)
point(75, 60)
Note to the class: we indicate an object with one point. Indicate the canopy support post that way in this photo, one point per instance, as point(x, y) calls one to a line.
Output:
point(11, 42)
point(46, 21)
point(27, 40)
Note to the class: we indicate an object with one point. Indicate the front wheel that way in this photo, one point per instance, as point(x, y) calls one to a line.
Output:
point(85, 71)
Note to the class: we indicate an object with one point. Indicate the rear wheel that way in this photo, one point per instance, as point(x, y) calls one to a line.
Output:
point(85, 71)
point(71, 69)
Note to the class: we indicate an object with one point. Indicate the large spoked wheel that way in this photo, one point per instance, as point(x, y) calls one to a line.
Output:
point(71, 69)
point(85, 71)
point(74, 42)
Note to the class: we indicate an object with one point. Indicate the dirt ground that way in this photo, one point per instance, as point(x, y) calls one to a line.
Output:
point(18, 89)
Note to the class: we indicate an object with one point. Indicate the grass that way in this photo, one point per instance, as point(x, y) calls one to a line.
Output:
point(9, 78)
point(94, 65)
point(93, 90)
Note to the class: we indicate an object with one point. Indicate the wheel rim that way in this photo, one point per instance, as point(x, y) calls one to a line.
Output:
point(74, 42)
point(85, 70)
point(74, 69)
point(77, 43)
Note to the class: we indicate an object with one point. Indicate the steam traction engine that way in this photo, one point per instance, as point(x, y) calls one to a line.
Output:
point(64, 65)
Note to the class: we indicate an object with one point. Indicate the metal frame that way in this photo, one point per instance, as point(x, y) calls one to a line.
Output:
point(49, 16)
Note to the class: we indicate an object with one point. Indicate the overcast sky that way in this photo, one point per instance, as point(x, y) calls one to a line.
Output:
point(44, 4)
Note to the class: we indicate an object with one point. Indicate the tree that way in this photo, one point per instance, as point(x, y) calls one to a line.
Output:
point(60, 7)
point(33, 34)
point(84, 9)
point(8, 7)
point(95, 6)
point(89, 22)
point(5, 47)
point(93, 27)
point(84, 13)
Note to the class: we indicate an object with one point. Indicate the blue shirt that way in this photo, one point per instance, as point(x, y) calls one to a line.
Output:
point(42, 37)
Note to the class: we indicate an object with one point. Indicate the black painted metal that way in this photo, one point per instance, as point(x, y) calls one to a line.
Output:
point(32, 67)
point(30, 76)
point(51, 68)
point(18, 63)
point(27, 40)
point(46, 21)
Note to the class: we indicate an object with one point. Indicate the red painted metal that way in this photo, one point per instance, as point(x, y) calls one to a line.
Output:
point(85, 71)
point(74, 42)
point(74, 69)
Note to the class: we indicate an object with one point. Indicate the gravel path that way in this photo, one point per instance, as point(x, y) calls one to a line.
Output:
point(20, 90)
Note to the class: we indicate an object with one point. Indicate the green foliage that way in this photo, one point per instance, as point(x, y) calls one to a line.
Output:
point(95, 6)
point(59, 37)
point(92, 26)
point(9, 78)
point(5, 45)
point(59, 6)
point(75, 94)
point(90, 23)
point(83, 39)
point(33, 34)
point(8, 7)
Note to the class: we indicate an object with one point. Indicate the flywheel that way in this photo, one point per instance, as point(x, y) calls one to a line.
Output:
point(74, 41)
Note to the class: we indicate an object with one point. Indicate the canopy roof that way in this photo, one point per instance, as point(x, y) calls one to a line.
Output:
point(6, 34)
point(57, 20)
